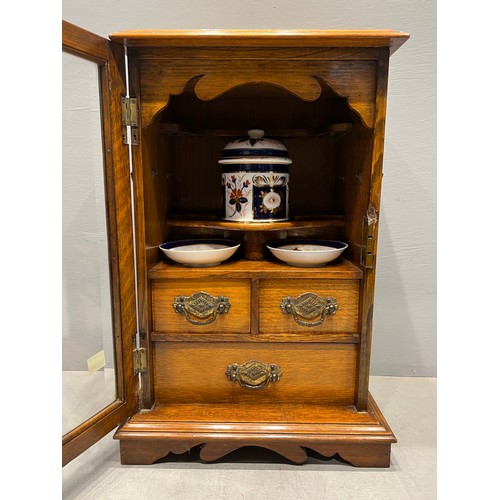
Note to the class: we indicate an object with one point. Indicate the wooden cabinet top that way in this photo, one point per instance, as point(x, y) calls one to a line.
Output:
point(274, 38)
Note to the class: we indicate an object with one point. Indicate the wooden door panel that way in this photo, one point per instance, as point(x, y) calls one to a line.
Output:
point(118, 213)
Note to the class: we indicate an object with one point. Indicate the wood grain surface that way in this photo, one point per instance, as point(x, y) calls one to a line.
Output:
point(312, 373)
point(368, 284)
point(261, 37)
point(362, 438)
point(110, 58)
point(162, 78)
point(272, 292)
point(341, 269)
point(209, 80)
point(257, 337)
point(166, 319)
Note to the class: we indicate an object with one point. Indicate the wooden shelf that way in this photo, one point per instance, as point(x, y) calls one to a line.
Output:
point(297, 223)
point(256, 234)
point(336, 129)
point(338, 269)
point(211, 414)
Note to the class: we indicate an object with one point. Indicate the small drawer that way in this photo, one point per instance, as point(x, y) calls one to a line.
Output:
point(201, 306)
point(296, 305)
point(235, 372)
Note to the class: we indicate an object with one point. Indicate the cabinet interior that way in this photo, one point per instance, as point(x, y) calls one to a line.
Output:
point(328, 143)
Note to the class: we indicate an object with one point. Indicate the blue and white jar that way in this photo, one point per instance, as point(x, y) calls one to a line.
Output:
point(255, 179)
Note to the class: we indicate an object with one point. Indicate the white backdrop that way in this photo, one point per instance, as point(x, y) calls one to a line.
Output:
point(404, 327)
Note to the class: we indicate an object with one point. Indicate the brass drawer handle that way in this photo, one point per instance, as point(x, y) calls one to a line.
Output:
point(201, 308)
point(307, 307)
point(253, 374)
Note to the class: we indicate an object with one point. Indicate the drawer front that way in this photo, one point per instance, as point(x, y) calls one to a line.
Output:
point(294, 305)
point(201, 306)
point(191, 372)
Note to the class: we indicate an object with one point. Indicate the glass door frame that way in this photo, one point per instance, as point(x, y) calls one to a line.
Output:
point(110, 59)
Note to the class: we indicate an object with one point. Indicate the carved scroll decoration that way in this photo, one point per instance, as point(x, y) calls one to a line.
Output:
point(353, 80)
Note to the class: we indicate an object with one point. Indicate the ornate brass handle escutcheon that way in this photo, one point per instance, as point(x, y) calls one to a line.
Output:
point(309, 309)
point(201, 308)
point(253, 374)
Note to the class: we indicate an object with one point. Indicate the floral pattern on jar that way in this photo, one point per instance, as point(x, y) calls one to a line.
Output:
point(237, 196)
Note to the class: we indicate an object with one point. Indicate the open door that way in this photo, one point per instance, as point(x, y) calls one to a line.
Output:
point(99, 387)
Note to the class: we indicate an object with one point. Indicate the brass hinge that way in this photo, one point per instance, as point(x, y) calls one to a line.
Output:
point(130, 120)
point(369, 226)
point(140, 360)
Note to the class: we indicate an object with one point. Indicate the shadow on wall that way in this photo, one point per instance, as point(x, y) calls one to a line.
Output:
point(404, 323)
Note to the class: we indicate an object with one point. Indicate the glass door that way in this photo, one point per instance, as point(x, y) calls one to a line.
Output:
point(98, 322)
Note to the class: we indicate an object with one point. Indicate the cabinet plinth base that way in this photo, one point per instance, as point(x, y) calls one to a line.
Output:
point(361, 438)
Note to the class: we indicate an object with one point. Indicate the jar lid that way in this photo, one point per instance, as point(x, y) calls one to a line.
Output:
point(255, 149)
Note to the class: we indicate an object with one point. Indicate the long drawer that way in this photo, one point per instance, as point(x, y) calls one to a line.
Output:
point(216, 372)
point(302, 305)
point(201, 306)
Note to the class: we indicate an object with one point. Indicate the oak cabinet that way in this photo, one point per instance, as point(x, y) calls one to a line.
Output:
point(233, 365)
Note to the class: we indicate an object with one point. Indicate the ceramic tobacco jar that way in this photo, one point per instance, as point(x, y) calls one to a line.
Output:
point(255, 178)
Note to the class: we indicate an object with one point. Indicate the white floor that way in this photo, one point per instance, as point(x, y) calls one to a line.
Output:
point(85, 393)
point(408, 404)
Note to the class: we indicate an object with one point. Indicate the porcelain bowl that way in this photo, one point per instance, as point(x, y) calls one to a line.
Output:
point(306, 253)
point(200, 252)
